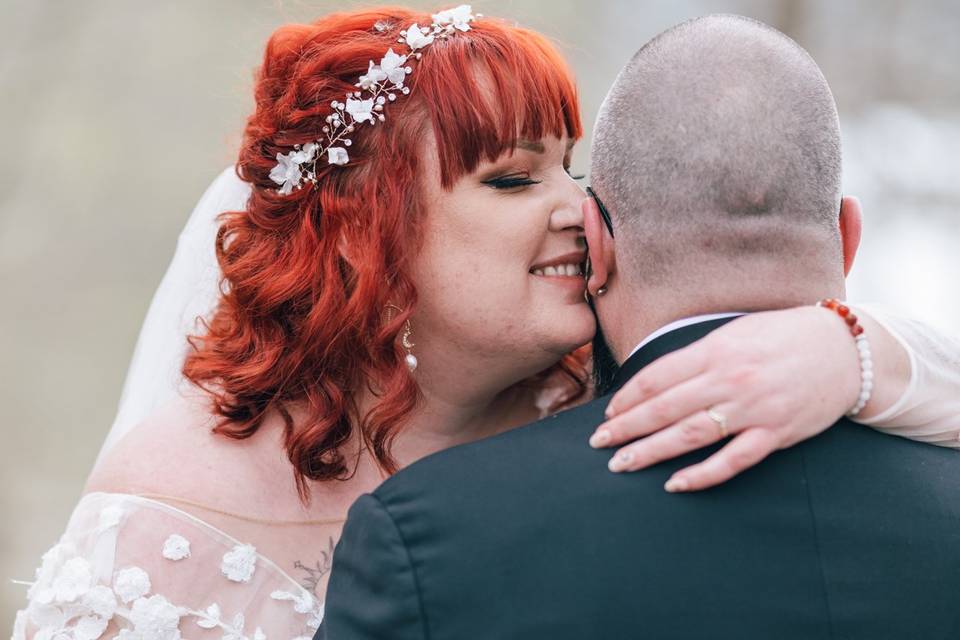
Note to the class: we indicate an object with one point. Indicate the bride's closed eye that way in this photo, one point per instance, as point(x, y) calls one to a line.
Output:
point(522, 179)
point(511, 181)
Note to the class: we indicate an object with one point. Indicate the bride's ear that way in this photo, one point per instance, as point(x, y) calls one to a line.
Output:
point(851, 226)
point(600, 246)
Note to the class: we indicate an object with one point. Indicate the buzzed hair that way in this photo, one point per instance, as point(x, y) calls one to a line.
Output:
point(720, 138)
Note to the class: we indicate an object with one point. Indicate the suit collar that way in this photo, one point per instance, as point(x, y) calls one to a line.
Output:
point(664, 344)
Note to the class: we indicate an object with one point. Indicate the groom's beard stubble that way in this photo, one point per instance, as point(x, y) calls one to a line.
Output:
point(605, 366)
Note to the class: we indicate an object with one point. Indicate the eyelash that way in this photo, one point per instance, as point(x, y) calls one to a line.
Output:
point(513, 181)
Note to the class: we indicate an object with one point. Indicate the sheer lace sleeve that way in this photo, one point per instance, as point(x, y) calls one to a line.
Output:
point(135, 569)
point(929, 409)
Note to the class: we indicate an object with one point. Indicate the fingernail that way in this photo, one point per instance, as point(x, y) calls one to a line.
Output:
point(620, 461)
point(600, 438)
point(676, 485)
point(609, 412)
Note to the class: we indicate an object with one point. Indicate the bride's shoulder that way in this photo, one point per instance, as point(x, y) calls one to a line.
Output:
point(175, 452)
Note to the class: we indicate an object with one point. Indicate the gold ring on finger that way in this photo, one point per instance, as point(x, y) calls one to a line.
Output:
point(720, 419)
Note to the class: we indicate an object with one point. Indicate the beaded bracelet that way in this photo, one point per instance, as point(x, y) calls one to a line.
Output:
point(863, 349)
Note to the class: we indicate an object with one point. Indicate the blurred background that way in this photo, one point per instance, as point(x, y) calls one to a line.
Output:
point(116, 115)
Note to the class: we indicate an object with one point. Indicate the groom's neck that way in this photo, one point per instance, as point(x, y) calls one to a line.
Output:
point(628, 317)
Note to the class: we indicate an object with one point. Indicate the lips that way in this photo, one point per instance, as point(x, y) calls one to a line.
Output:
point(570, 264)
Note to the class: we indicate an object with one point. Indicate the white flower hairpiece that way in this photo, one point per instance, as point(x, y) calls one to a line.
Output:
point(381, 83)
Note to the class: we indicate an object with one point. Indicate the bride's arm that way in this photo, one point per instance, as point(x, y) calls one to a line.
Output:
point(779, 378)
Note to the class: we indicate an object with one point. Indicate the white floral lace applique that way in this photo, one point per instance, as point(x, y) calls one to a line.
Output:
point(131, 583)
point(305, 603)
point(176, 547)
point(239, 563)
point(65, 603)
point(153, 618)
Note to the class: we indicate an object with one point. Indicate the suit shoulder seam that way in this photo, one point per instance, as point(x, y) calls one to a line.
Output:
point(413, 570)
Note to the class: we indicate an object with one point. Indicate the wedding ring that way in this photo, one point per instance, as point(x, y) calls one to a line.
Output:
point(720, 419)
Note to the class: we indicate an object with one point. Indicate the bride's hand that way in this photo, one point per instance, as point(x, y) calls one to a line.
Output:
point(777, 378)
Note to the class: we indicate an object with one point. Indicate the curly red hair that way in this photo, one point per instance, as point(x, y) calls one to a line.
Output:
point(301, 319)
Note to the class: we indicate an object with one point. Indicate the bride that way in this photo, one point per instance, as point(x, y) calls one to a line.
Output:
point(392, 277)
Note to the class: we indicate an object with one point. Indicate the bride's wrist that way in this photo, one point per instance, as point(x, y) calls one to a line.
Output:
point(891, 368)
point(855, 384)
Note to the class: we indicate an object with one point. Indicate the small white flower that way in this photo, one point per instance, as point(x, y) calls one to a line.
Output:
point(239, 563)
point(392, 65)
point(306, 153)
point(110, 517)
point(155, 618)
point(46, 615)
point(73, 580)
point(286, 173)
point(89, 628)
point(176, 547)
point(211, 617)
point(460, 17)
point(360, 110)
point(337, 155)
point(416, 39)
point(50, 565)
point(131, 583)
point(374, 76)
point(302, 602)
point(101, 601)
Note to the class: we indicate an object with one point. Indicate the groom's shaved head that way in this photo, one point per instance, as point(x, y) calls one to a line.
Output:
point(720, 140)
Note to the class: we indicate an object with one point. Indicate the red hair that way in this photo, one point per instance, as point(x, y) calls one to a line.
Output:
point(307, 277)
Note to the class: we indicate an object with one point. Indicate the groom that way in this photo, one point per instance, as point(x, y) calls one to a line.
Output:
point(717, 155)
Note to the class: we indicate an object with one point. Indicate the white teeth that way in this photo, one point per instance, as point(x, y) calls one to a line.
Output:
point(559, 270)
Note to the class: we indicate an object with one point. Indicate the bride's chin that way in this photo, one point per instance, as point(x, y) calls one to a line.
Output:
point(578, 336)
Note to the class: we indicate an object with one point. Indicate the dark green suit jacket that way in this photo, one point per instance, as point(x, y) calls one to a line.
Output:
point(852, 534)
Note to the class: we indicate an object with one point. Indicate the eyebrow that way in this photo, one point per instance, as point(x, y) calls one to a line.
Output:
point(537, 147)
point(530, 145)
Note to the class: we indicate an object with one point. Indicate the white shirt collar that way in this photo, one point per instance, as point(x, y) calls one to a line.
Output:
point(679, 324)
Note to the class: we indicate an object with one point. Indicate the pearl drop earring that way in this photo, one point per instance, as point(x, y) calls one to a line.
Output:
point(408, 346)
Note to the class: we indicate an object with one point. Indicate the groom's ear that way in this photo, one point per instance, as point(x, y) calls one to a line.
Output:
point(851, 226)
point(599, 244)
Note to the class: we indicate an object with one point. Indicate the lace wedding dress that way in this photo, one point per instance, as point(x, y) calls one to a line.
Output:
point(136, 567)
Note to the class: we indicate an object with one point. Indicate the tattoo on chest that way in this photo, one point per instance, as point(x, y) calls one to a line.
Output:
point(314, 574)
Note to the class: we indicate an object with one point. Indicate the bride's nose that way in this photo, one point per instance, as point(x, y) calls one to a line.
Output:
point(567, 213)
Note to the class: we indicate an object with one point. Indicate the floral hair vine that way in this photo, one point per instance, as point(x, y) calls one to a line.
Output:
point(381, 83)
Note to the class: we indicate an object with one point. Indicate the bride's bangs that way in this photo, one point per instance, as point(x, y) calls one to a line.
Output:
point(491, 88)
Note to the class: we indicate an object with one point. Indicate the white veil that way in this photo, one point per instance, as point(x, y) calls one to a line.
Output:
point(189, 289)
